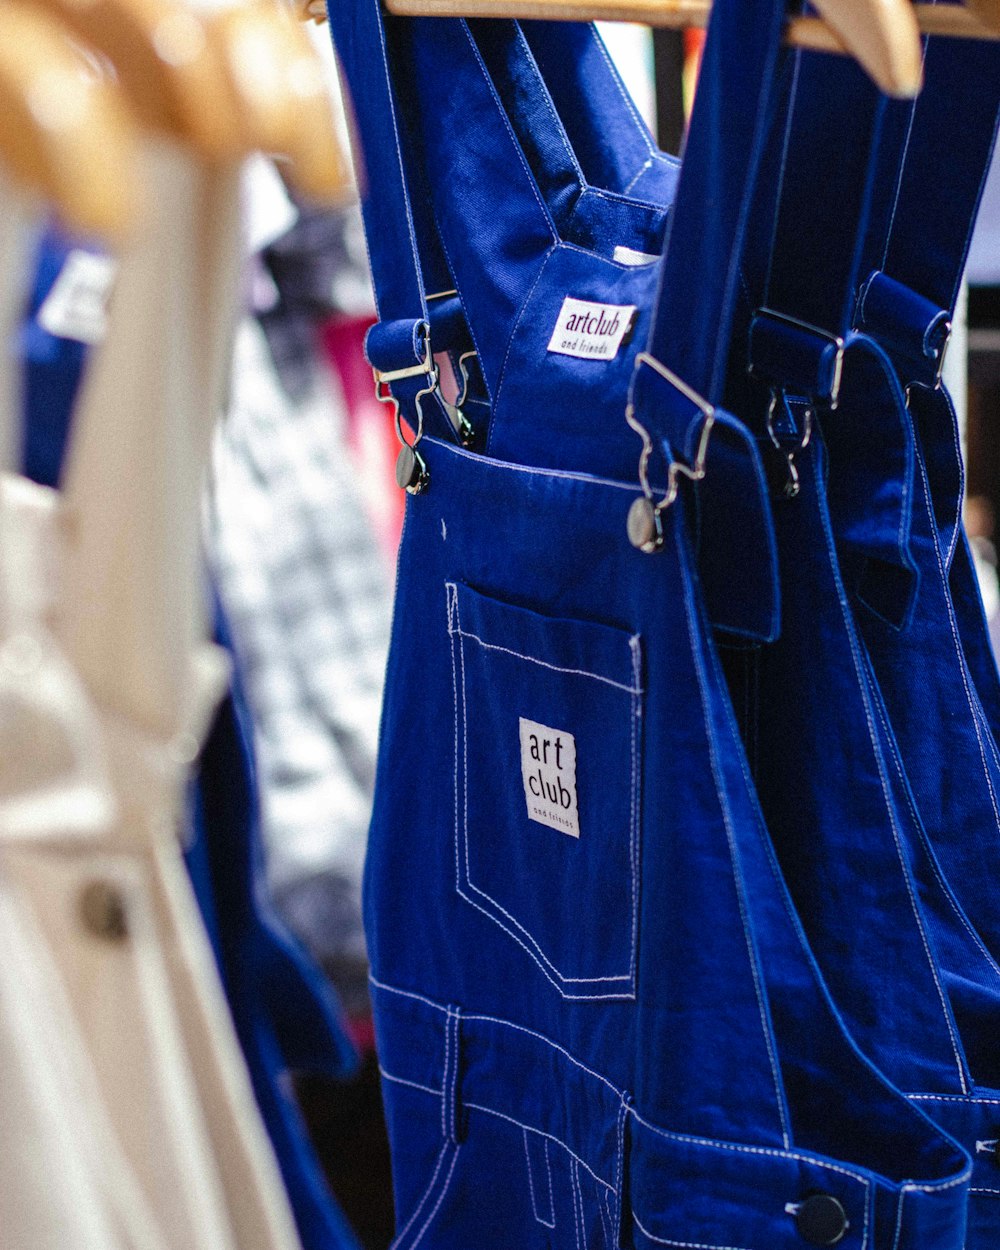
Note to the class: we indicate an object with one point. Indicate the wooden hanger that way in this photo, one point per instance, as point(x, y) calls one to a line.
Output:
point(166, 65)
point(284, 105)
point(225, 81)
point(987, 11)
point(64, 132)
point(883, 35)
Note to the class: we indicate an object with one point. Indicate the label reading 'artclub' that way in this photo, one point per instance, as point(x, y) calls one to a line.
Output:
point(548, 770)
point(591, 331)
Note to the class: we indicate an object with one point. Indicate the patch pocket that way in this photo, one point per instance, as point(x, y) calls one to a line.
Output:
point(547, 750)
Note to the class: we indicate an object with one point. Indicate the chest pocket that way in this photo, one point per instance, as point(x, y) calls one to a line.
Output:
point(547, 781)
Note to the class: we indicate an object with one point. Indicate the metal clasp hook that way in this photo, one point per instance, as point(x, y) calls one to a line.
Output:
point(645, 525)
point(792, 484)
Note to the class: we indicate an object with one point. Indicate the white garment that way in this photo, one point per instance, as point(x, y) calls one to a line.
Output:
point(162, 1147)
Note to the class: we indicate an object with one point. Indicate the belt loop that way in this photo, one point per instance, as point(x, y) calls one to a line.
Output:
point(451, 1114)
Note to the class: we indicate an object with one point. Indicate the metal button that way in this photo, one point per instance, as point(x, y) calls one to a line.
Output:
point(102, 907)
point(411, 472)
point(644, 525)
point(822, 1220)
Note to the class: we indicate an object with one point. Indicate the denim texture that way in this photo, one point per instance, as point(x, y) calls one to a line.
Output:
point(861, 720)
point(620, 1038)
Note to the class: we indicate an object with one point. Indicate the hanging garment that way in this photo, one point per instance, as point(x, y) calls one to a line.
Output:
point(307, 595)
point(55, 799)
point(935, 671)
point(149, 1003)
point(271, 1023)
point(972, 1116)
point(857, 858)
point(597, 1019)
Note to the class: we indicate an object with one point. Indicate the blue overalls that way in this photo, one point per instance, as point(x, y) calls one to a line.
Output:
point(918, 988)
point(949, 758)
point(598, 1020)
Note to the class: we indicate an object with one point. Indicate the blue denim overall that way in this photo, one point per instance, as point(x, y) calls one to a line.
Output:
point(918, 989)
point(936, 673)
point(918, 241)
point(598, 1021)
point(923, 237)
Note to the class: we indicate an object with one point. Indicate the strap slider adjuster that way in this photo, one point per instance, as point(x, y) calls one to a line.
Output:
point(796, 357)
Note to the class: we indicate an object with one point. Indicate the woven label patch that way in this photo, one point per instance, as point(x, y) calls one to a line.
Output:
point(77, 306)
point(591, 331)
point(629, 256)
point(548, 771)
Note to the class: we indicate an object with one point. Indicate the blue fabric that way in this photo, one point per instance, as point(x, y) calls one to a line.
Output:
point(845, 744)
point(604, 1027)
point(284, 1009)
point(52, 369)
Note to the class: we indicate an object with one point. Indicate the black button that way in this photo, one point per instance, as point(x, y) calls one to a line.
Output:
point(822, 1220)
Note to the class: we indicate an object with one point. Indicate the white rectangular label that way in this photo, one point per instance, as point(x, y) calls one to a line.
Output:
point(77, 306)
point(629, 256)
point(591, 331)
point(548, 771)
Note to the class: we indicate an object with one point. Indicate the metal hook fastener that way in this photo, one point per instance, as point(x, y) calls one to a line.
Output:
point(645, 525)
point(411, 469)
point(461, 424)
point(792, 484)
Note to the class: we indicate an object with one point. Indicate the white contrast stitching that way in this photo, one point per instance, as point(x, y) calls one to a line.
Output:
point(487, 463)
point(943, 885)
point(501, 1115)
point(602, 1207)
point(738, 882)
point(529, 943)
point(581, 1232)
point(902, 171)
point(444, 1092)
point(971, 1099)
point(398, 1240)
point(531, 1182)
point(399, 1080)
point(682, 1245)
point(770, 1152)
point(888, 803)
point(958, 646)
point(556, 668)
point(437, 1205)
point(392, 989)
point(641, 127)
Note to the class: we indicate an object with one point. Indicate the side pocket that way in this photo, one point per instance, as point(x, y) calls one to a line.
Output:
point(547, 747)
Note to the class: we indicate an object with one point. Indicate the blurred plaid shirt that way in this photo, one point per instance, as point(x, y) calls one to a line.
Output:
point(307, 594)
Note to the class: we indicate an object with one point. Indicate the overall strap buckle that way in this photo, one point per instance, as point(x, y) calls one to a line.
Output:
point(794, 357)
point(645, 527)
point(914, 330)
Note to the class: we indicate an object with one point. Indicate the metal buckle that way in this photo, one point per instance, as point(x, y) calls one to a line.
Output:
point(834, 339)
point(939, 374)
point(644, 523)
point(941, 357)
point(411, 471)
point(428, 368)
point(792, 485)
